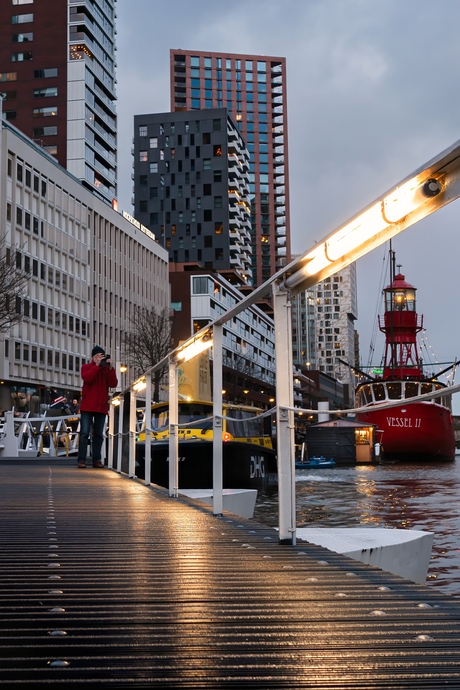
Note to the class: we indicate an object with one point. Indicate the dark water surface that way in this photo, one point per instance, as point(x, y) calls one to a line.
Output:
point(399, 496)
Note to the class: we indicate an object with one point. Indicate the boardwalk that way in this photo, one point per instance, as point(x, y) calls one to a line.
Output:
point(106, 582)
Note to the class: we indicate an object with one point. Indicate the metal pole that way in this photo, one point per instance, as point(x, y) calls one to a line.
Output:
point(120, 433)
point(148, 430)
point(111, 427)
point(284, 417)
point(173, 430)
point(132, 433)
point(217, 449)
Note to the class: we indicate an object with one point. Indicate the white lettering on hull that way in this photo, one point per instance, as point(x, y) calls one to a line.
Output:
point(406, 422)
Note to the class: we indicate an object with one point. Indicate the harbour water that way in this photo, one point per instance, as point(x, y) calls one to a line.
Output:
point(420, 496)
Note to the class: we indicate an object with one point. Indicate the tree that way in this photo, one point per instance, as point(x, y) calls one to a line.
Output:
point(13, 287)
point(148, 341)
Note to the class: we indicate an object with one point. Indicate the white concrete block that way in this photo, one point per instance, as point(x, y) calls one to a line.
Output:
point(238, 501)
point(401, 552)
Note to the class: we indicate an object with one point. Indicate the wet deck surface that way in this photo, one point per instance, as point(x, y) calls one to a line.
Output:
point(106, 582)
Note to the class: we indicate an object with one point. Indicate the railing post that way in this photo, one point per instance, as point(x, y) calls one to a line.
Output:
point(111, 427)
point(120, 433)
point(284, 417)
point(217, 466)
point(173, 430)
point(148, 430)
point(132, 433)
point(10, 442)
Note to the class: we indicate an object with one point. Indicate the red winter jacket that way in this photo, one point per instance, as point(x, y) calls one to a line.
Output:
point(96, 384)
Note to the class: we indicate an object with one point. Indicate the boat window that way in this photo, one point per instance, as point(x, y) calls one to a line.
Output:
point(245, 427)
point(379, 392)
point(363, 396)
point(394, 390)
point(411, 389)
point(426, 388)
point(189, 413)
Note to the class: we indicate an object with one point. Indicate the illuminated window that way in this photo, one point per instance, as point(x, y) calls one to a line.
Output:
point(45, 112)
point(217, 150)
point(143, 156)
point(218, 228)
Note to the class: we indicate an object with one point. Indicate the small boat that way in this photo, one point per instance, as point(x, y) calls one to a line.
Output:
point(422, 430)
point(249, 459)
point(314, 462)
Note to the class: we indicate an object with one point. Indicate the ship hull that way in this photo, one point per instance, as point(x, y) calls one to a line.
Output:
point(245, 465)
point(417, 431)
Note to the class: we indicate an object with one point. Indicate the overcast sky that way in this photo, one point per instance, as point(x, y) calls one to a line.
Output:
point(373, 93)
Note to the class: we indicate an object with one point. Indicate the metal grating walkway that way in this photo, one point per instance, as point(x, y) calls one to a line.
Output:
point(107, 582)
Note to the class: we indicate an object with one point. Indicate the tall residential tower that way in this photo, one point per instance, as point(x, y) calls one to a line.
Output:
point(57, 66)
point(253, 89)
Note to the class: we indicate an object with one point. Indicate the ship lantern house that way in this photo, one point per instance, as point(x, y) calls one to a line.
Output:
point(400, 324)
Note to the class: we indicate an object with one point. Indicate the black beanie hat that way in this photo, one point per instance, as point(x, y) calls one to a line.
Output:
point(96, 350)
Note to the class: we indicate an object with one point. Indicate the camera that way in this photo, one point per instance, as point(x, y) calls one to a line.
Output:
point(105, 361)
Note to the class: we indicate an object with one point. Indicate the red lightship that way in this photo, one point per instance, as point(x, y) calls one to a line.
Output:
point(421, 430)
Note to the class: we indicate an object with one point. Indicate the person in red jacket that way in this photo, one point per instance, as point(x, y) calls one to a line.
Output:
point(98, 376)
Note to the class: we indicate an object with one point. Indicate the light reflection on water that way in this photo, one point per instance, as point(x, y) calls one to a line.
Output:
point(399, 496)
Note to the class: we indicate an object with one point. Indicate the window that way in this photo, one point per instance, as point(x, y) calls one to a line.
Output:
point(206, 138)
point(207, 190)
point(45, 131)
point(143, 180)
point(46, 73)
point(153, 192)
point(219, 254)
point(207, 215)
point(143, 156)
point(218, 228)
point(217, 175)
point(143, 207)
point(154, 219)
point(208, 241)
point(153, 142)
point(216, 125)
point(10, 114)
point(48, 92)
point(206, 164)
point(22, 2)
point(8, 76)
point(45, 112)
point(22, 18)
point(142, 130)
point(153, 167)
point(217, 202)
point(21, 57)
point(23, 38)
point(217, 150)
point(200, 285)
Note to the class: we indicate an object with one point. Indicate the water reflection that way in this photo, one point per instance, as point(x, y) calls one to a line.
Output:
point(399, 496)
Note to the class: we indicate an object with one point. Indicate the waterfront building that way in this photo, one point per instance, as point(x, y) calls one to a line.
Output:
point(191, 186)
point(253, 90)
point(89, 269)
point(337, 309)
point(199, 297)
point(57, 67)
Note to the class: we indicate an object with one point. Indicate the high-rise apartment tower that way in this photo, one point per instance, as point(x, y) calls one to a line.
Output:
point(57, 66)
point(253, 89)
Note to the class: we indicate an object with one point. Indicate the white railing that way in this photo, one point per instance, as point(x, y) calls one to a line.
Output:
point(36, 436)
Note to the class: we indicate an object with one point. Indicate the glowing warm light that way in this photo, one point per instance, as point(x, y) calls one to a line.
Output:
point(392, 209)
point(123, 368)
point(116, 402)
point(195, 348)
point(140, 385)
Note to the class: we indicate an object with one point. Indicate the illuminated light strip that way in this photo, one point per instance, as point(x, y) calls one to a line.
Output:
point(391, 210)
point(195, 348)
